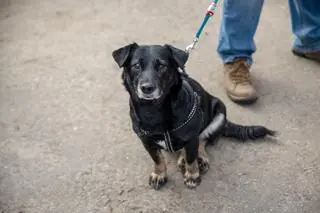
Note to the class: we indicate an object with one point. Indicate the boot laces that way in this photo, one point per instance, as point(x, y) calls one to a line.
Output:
point(240, 73)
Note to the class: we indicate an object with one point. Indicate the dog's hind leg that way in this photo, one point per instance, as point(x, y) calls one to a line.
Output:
point(203, 160)
point(181, 161)
point(158, 177)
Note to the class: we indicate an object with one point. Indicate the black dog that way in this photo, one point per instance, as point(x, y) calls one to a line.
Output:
point(171, 111)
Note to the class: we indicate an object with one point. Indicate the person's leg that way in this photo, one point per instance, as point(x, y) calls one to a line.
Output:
point(238, 27)
point(305, 20)
point(236, 46)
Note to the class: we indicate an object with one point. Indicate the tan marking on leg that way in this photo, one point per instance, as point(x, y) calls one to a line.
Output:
point(192, 170)
point(192, 176)
point(203, 160)
point(202, 147)
point(162, 166)
point(181, 161)
point(159, 176)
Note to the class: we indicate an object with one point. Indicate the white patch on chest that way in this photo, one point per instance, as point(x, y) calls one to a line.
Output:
point(162, 144)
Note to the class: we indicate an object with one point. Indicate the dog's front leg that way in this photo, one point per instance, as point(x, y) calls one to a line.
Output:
point(192, 175)
point(158, 177)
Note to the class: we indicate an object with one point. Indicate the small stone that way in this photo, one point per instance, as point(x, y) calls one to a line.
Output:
point(121, 192)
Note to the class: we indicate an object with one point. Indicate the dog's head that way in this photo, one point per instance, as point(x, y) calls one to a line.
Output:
point(149, 71)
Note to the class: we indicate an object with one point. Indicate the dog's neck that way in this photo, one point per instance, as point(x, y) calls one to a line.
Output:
point(152, 117)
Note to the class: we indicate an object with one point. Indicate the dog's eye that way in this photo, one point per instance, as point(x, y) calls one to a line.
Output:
point(136, 66)
point(162, 67)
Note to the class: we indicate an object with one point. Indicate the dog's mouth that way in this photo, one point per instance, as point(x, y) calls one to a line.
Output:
point(155, 95)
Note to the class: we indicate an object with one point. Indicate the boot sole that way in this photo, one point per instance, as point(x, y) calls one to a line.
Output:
point(299, 54)
point(242, 100)
point(303, 55)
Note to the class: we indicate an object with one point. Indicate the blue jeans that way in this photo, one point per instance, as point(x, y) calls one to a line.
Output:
point(241, 18)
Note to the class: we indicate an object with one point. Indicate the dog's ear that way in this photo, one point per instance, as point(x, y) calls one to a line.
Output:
point(122, 54)
point(178, 55)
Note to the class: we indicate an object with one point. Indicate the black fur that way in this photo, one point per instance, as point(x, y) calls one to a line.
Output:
point(174, 96)
point(245, 133)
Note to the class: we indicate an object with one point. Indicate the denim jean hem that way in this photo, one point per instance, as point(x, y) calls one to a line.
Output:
point(230, 59)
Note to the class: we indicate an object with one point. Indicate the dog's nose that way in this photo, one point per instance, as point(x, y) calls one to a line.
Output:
point(147, 88)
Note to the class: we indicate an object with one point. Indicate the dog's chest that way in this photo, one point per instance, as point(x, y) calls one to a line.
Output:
point(184, 127)
point(168, 141)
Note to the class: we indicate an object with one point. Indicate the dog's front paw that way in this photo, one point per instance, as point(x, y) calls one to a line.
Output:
point(156, 181)
point(192, 180)
point(203, 162)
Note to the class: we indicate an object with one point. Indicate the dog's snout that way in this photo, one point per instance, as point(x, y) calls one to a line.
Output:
point(147, 88)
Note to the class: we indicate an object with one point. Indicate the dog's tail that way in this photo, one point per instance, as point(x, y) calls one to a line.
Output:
point(244, 133)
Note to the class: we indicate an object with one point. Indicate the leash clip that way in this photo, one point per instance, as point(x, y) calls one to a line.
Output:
point(192, 45)
point(210, 12)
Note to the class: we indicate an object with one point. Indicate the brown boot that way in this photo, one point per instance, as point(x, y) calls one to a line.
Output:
point(238, 83)
point(310, 55)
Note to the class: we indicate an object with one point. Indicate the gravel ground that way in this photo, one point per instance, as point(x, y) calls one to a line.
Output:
point(66, 144)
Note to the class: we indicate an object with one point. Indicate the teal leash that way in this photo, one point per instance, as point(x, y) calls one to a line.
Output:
point(210, 12)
